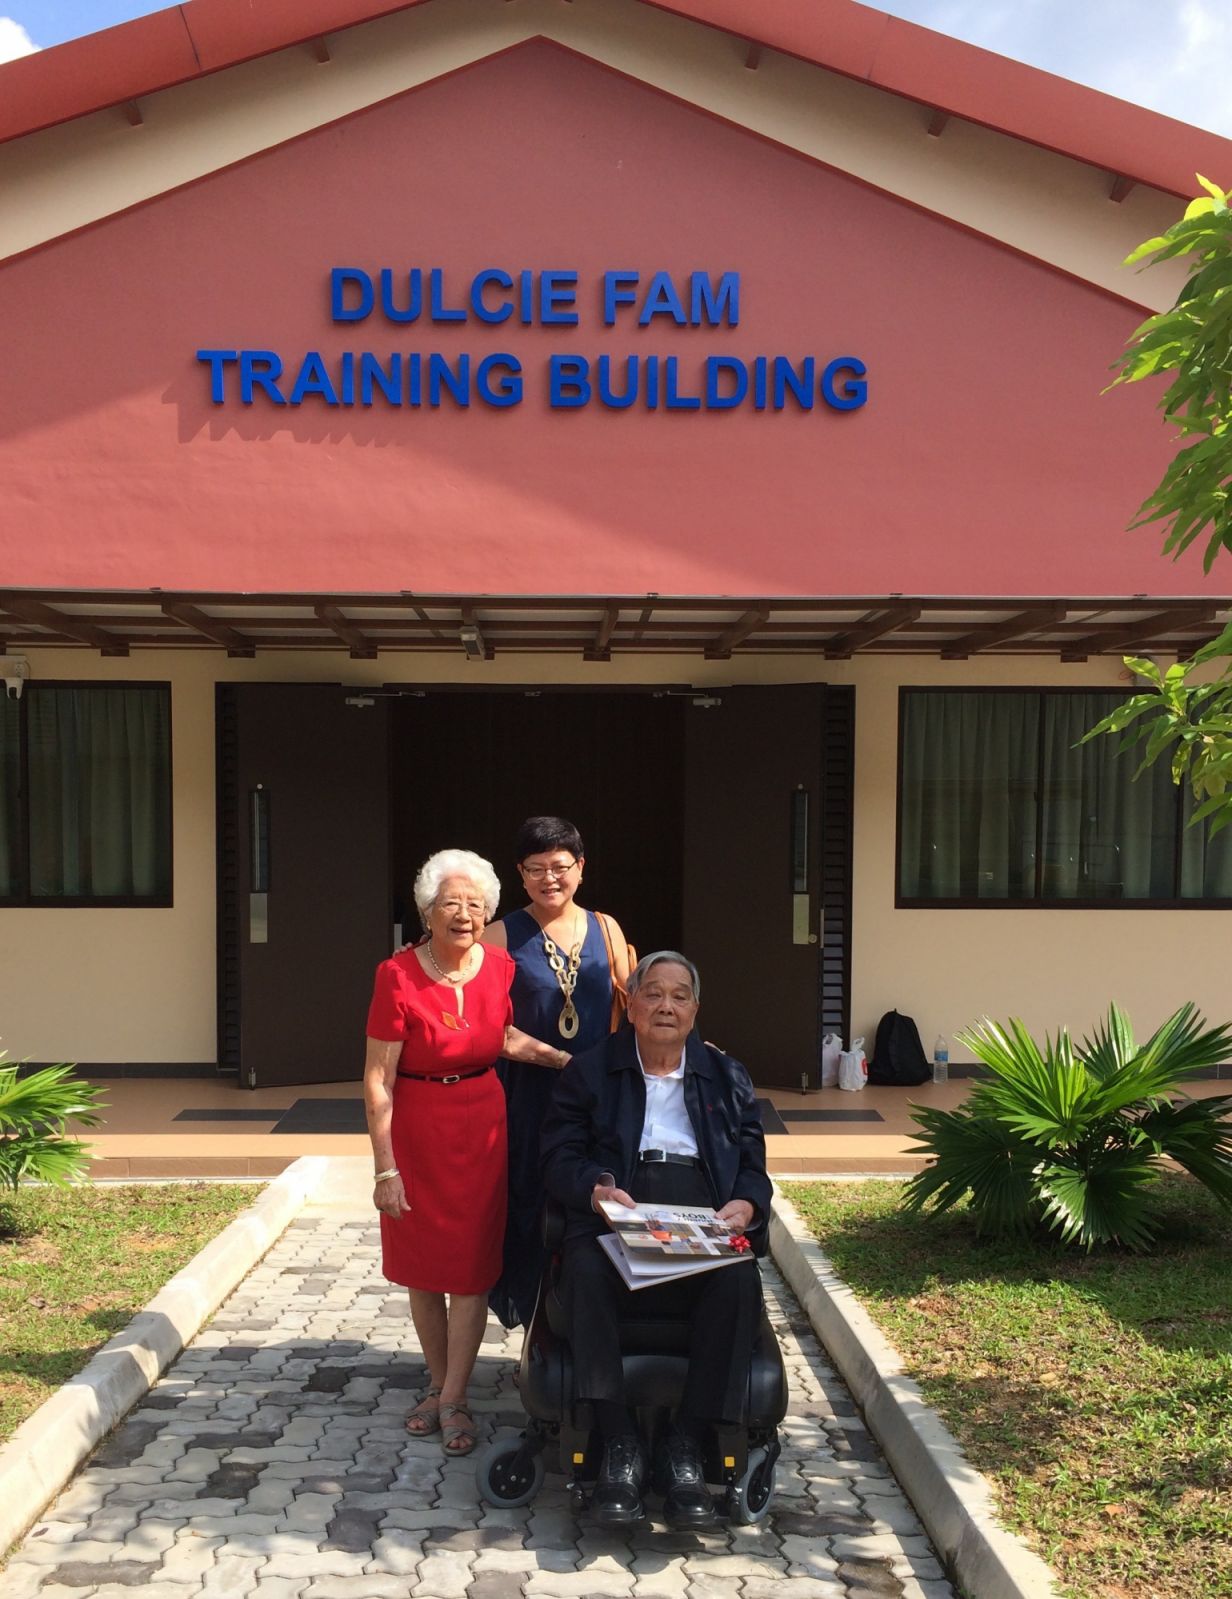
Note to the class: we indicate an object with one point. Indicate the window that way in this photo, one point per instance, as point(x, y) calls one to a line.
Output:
point(85, 795)
point(998, 807)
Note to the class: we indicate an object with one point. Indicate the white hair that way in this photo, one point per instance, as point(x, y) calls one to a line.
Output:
point(448, 863)
point(664, 957)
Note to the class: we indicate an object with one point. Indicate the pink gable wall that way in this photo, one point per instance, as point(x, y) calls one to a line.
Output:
point(984, 462)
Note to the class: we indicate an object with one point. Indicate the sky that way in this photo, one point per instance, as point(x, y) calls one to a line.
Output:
point(1172, 55)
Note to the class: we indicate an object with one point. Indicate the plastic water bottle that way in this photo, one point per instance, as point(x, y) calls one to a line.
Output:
point(941, 1060)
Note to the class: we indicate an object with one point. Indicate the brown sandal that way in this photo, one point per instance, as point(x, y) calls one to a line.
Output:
point(459, 1434)
point(422, 1423)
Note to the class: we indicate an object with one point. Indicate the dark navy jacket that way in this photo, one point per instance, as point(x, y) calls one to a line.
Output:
point(594, 1125)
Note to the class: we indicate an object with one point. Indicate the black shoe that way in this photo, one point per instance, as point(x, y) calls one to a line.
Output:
point(687, 1505)
point(617, 1499)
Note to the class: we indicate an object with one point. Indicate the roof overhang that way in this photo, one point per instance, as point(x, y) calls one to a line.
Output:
point(602, 628)
point(120, 65)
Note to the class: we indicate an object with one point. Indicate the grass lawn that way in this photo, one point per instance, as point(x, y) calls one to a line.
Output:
point(77, 1264)
point(1095, 1391)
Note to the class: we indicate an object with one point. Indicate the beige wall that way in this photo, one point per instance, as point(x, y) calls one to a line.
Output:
point(138, 985)
point(1051, 968)
point(1044, 204)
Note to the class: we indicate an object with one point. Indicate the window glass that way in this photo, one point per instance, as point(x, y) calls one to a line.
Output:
point(1103, 835)
point(1000, 801)
point(10, 792)
point(1206, 862)
point(100, 793)
point(968, 784)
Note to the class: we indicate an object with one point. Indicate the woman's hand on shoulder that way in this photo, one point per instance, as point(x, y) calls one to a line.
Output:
point(494, 934)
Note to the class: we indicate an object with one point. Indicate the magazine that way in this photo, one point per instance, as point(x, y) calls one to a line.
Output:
point(652, 1244)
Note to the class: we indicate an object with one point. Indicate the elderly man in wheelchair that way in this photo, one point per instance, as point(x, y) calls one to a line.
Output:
point(676, 1385)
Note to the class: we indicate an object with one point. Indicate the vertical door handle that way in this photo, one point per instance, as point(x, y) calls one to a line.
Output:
point(258, 864)
point(799, 845)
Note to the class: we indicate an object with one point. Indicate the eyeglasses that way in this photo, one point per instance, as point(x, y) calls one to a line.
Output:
point(538, 873)
point(472, 907)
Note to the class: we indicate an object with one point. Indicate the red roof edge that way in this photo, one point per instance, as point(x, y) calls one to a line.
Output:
point(202, 36)
point(976, 85)
point(161, 50)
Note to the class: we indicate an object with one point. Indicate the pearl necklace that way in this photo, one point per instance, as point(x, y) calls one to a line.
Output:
point(447, 977)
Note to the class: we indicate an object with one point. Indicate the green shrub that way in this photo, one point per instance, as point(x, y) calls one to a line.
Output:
point(33, 1113)
point(1071, 1141)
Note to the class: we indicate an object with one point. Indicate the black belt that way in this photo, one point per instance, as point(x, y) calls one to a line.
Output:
point(454, 1077)
point(654, 1157)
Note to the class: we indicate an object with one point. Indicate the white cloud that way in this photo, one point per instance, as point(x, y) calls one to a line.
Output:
point(14, 40)
point(1187, 76)
point(1172, 55)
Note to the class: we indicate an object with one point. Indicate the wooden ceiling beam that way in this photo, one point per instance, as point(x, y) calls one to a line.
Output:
point(1120, 638)
point(235, 643)
point(721, 648)
point(361, 647)
point(873, 626)
point(474, 645)
point(28, 610)
point(1025, 622)
point(600, 646)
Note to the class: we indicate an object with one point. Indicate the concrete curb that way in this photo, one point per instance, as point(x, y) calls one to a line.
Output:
point(952, 1499)
point(49, 1446)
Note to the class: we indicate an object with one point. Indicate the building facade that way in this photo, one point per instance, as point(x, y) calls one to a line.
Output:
point(678, 417)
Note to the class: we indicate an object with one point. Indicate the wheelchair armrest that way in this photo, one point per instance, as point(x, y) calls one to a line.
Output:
point(552, 1223)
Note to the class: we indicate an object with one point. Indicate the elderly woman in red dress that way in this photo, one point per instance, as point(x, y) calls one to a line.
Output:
point(439, 1021)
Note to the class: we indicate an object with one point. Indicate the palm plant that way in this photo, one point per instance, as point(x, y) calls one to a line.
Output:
point(1071, 1140)
point(33, 1113)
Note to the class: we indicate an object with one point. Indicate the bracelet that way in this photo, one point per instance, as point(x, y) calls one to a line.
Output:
point(383, 1176)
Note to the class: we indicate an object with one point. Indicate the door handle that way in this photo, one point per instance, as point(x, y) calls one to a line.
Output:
point(258, 864)
point(799, 845)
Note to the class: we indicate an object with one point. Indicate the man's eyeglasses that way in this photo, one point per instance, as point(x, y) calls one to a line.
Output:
point(537, 873)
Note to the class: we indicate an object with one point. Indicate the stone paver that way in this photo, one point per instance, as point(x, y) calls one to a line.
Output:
point(271, 1463)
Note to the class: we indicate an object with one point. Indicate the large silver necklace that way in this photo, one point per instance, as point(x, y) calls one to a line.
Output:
point(566, 970)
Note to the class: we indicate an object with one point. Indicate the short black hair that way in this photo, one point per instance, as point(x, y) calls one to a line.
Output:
point(539, 834)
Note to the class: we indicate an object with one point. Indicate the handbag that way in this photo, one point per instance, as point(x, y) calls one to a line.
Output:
point(620, 997)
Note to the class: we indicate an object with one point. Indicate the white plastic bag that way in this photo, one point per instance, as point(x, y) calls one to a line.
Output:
point(852, 1067)
point(831, 1049)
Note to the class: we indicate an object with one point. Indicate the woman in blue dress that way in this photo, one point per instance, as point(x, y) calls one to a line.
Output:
point(562, 995)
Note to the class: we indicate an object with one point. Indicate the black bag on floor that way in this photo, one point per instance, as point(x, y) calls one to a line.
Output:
point(898, 1055)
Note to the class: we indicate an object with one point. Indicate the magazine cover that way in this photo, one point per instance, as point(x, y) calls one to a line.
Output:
point(676, 1233)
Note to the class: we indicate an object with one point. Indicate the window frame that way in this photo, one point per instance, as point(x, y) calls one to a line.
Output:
point(24, 900)
point(972, 903)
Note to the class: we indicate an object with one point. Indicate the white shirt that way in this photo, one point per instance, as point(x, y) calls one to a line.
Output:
point(667, 1125)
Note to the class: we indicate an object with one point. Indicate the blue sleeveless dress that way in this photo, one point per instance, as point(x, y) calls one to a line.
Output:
point(537, 1004)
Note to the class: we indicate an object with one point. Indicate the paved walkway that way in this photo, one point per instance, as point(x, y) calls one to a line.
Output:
point(271, 1461)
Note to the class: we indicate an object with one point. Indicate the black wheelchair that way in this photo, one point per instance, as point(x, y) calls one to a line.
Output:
point(739, 1461)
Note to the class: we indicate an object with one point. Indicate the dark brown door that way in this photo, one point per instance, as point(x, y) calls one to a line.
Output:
point(752, 878)
point(305, 794)
point(612, 763)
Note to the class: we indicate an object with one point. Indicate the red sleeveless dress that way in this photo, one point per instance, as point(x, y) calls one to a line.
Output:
point(449, 1138)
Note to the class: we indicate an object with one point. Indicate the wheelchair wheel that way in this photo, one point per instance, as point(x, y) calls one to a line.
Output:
point(508, 1472)
point(749, 1500)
